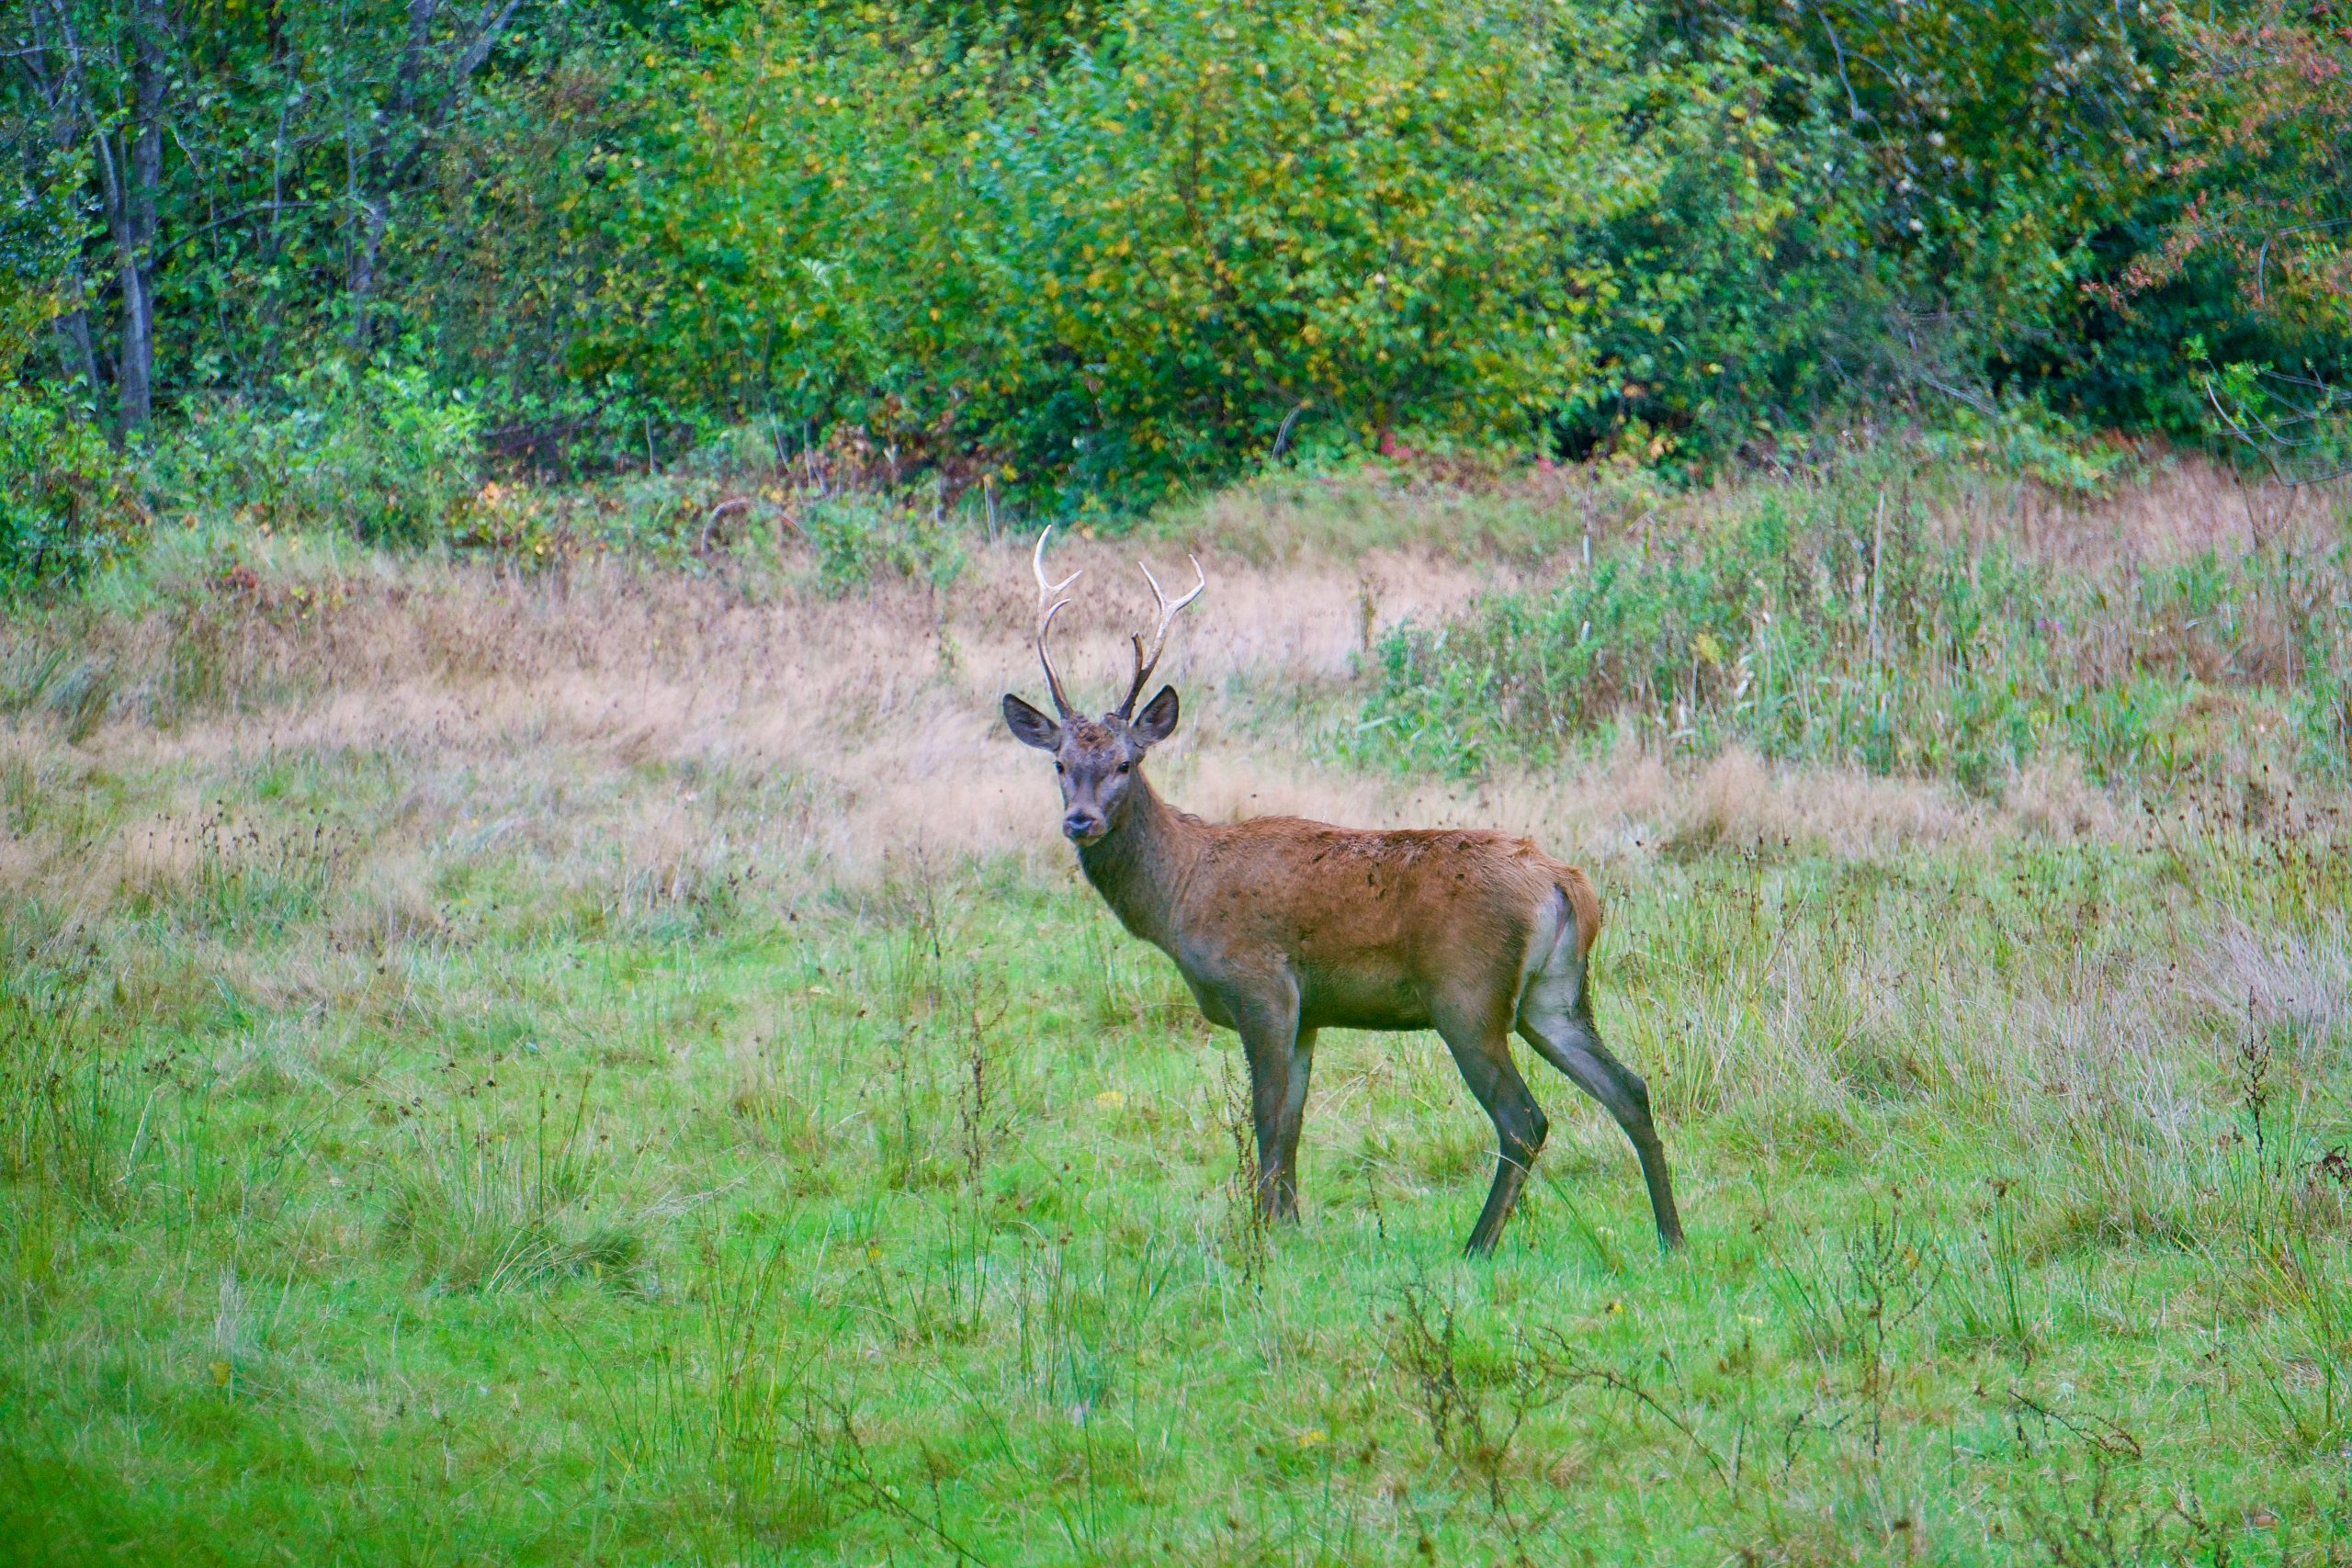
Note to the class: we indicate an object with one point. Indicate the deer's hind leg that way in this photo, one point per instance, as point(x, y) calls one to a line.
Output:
point(1555, 1017)
point(1481, 1048)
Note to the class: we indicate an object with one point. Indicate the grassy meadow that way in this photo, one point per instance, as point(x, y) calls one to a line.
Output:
point(612, 1062)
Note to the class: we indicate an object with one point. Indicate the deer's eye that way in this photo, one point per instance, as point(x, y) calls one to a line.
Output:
point(1127, 767)
point(1059, 768)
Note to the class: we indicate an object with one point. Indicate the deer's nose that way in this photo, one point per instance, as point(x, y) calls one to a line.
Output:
point(1083, 826)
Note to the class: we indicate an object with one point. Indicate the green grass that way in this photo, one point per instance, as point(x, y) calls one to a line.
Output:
point(903, 1223)
point(439, 1125)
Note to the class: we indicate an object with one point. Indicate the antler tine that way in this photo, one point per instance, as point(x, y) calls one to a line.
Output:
point(1144, 667)
point(1047, 608)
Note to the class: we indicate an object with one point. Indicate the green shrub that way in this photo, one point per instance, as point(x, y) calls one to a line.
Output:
point(1116, 248)
point(1753, 302)
point(378, 452)
point(1124, 255)
point(66, 502)
point(857, 538)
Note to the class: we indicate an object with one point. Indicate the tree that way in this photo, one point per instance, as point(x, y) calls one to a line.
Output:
point(437, 62)
point(103, 79)
point(243, 164)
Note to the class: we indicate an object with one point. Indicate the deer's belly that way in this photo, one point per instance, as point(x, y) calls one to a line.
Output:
point(1350, 1000)
point(1355, 1001)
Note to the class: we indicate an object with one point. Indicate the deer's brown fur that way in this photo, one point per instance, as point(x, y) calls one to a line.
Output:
point(1282, 927)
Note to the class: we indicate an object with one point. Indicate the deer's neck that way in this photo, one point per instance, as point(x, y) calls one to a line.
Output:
point(1140, 864)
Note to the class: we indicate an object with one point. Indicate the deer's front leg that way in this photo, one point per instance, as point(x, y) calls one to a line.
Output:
point(1293, 1112)
point(1267, 1019)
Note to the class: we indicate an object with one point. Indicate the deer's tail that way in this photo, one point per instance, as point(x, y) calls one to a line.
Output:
point(1584, 904)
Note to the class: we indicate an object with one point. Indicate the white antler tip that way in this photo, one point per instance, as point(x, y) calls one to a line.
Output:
point(1037, 564)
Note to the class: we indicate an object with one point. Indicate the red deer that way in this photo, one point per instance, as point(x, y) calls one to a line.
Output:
point(1282, 927)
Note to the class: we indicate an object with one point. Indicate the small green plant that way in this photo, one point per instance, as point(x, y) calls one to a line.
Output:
point(860, 538)
point(1857, 1313)
point(67, 1123)
point(67, 504)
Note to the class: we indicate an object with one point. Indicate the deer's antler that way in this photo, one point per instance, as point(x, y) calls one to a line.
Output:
point(1144, 667)
point(1047, 608)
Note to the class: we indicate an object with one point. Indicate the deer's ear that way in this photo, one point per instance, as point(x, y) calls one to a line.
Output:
point(1029, 726)
point(1158, 720)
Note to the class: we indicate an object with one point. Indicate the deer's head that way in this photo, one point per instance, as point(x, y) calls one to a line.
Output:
point(1097, 761)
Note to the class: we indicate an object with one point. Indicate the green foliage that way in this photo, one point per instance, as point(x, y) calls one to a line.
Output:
point(379, 453)
point(1128, 261)
point(66, 502)
point(1754, 300)
point(1109, 250)
point(1128, 270)
point(2240, 257)
point(36, 247)
point(2016, 433)
point(859, 538)
point(1378, 217)
point(1997, 139)
point(2295, 428)
point(1852, 632)
point(2070, 189)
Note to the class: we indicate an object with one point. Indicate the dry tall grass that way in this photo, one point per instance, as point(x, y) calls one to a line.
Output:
point(645, 730)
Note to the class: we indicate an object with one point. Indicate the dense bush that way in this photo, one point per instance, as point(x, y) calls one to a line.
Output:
point(1140, 252)
point(65, 502)
point(379, 453)
point(2070, 190)
point(857, 538)
point(1137, 266)
point(1109, 249)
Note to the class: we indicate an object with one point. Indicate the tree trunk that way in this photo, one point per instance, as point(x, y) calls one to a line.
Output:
point(373, 221)
point(52, 63)
point(77, 355)
point(134, 375)
point(134, 218)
